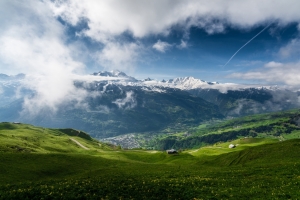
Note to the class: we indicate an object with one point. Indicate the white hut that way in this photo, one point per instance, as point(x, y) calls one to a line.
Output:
point(171, 151)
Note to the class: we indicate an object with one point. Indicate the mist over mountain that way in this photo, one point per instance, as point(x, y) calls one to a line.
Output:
point(116, 104)
point(248, 101)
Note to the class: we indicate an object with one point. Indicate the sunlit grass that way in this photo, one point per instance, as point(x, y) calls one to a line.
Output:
point(59, 169)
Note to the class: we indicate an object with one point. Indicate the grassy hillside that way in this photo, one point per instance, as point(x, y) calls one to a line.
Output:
point(48, 165)
point(279, 153)
point(279, 125)
point(28, 139)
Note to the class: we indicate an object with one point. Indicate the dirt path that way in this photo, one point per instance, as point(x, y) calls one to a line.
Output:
point(79, 144)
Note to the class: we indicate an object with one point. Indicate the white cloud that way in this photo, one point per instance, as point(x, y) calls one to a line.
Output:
point(138, 17)
point(33, 43)
point(161, 46)
point(273, 64)
point(291, 49)
point(128, 102)
point(182, 45)
point(119, 56)
point(275, 73)
point(108, 20)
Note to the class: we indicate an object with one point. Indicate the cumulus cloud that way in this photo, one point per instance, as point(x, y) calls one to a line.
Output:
point(116, 56)
point(136, 16)
point(107, 21)
point(161, 46)
point(33, 43)
point(274, 72)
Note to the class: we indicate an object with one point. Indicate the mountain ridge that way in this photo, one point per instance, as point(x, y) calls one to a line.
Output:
point(126, 105)
point(184, 83)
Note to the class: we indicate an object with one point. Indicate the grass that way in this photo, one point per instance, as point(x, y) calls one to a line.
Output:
point(27, 138)
point(294, 134)
point(279, 126)
point(222, 148)
point(251, 121)
point(257, 168)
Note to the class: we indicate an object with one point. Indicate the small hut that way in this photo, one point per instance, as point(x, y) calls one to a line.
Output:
point(172, 151)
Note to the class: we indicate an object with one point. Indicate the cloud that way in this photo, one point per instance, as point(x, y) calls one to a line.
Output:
point(161, 46)
point(108, 21)
point(182, 45)
point(128, 102)
point(119, 56)
point(273, 64)
point(274, 73)
point(34, 43)
point(291, 49)
point(110, 18)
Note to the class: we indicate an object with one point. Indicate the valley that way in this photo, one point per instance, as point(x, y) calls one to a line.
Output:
point(278, 125)
point(112, 144)
point(42, 163)
point(114, 105)
point(154, 100)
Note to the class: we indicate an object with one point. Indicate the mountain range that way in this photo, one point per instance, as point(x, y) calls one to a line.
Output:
point(117, 104)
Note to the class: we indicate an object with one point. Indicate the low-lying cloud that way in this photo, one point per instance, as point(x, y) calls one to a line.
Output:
point(128, 102)
point(34, 43)
point(281, 100)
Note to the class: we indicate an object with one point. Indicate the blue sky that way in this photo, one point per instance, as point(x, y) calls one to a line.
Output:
point(206, 54)
point(160, 39)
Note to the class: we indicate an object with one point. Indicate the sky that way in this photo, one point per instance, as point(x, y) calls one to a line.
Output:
point(249, 41)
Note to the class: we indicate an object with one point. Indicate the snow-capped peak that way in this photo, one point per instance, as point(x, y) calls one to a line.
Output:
point(183, 83)
point(188, 83)
point(114, 73)
point(148, 79)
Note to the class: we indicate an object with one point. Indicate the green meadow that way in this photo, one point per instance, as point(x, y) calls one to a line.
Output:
point(278, 125)
point(41, 163)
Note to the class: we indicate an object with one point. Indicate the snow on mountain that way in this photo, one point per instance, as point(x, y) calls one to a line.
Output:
point(191, 83)
point(120, 78)
point(183, 83)
point(188, 83)
point(114, 73)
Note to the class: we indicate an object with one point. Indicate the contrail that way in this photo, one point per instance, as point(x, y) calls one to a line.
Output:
point(246, 44)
